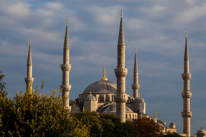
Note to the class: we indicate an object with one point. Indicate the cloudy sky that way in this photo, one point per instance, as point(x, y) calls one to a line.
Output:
point(156, 27)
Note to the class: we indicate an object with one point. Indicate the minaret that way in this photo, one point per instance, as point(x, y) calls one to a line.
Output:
point(121, 73)
point(65, 87)
point(186, 94)
point(135, 85)
point(29, 79)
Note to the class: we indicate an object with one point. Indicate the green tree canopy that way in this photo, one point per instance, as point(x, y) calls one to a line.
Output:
point(174, 134)
point(33, 114)
point(105, 125)
point(144, 127)
point(2, 85)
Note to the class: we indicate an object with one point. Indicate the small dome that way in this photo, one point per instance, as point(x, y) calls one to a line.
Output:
point(76, 109)
point(90, 97)
point(139, 100)
point(161, 123)
point(201, 132)
point(112, 108)
point(101, 86)
point(172, 125)
point(71, 102)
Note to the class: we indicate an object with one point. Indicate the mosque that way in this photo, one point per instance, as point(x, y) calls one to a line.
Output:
point(107, 97)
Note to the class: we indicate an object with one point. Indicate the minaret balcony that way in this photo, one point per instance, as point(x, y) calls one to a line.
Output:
point(186, 76)
point(188, 94)
point(121, 98)
point(28, 80)
point(135, 86)
point(186, 114)
point(65, 88)
point(65, 67)
point(121, 72)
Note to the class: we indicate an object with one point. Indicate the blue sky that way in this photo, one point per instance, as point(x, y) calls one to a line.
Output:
point(156, 27)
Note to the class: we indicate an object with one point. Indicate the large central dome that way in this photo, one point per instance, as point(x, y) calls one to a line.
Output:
point(101, 87)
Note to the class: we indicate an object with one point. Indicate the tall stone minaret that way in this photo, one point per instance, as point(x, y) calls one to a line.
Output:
point(29, 79)
point(121, 73)
point(135, 85)
point(186, 94)
point(65, 87)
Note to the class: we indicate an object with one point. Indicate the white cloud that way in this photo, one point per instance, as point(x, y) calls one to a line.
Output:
point(54, 5)
point(192, 14)
point(105, 15)
point(18, 10)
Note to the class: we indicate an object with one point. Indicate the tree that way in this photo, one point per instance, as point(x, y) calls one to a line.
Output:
point(92, 120)
point(174, 134)
point(105, 125)
point(112, 126)
point(2, 85)
point(144, 127)
point(33, 114)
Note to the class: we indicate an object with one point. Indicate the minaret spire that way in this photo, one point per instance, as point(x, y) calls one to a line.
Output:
point(121, 73)
point(65, 87)
point(121, 32)
point(186, 94)
point(135, 85)
point(29, 79)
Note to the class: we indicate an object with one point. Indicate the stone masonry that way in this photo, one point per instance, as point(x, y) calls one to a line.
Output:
point(29, 79)
point(65, 87)
point(135, 85)
point(186, 94)
point(121, 73)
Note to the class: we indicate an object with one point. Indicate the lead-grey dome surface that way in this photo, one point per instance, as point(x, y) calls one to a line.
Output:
point(90, 97)
point(139, 100)
point(161, 123)
point(101, 87)
point(112, 108)
point(201, 131)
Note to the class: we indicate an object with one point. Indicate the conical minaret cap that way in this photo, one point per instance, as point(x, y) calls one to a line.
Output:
point(121, 32)
point(29, 59)
point(66, 39)
point(135, 62)
point(186, 56)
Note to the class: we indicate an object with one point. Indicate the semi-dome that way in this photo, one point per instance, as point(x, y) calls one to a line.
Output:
point(112, 108)
point(100, 87)
point(90, 97)
point(139, 100)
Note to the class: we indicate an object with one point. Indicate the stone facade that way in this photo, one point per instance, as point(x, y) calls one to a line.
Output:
point(65, 87)
point(121, 73)
point(29, 79)
point(186, 94)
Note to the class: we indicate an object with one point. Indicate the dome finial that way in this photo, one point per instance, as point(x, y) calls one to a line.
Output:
point(90, 93)
point(121, 12)
point(156, 114)
point(104, 78)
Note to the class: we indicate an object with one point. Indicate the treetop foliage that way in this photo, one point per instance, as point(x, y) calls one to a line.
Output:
point(33, 114)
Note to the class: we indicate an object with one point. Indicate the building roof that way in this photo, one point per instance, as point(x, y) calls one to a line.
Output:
point(201, 132)
point(90, 97)
point(112, 108)
point(100, 87)
point(139, 100)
